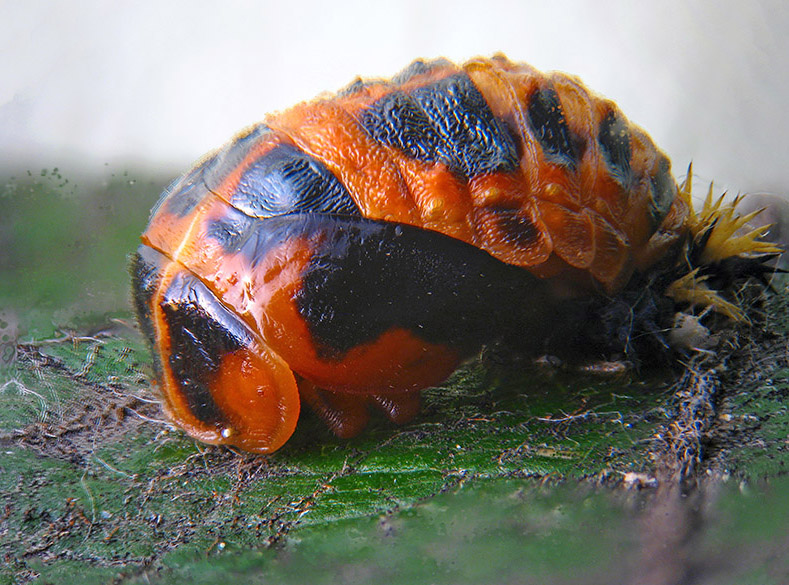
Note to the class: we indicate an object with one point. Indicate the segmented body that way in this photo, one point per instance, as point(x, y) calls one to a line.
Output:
point(351, 251)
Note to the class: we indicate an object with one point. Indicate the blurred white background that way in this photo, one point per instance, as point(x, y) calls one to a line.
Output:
point(155, 84)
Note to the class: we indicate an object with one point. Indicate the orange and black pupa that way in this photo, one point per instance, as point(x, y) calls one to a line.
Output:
point(351, 251)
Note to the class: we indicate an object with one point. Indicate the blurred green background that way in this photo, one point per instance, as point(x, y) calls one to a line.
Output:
point(63, 246)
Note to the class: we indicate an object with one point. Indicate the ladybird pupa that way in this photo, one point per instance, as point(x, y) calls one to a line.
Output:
point(352, 250)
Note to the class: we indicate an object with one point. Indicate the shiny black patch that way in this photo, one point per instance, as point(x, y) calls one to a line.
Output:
point(549, 126)
point(231, 229)
point(419, 67)
point(614, 140)
point(183, 194)
point(201, 331)
point(516, 228)
point(368, 277)
point(664, 191)
point(286, 180)
point(447, 121)
point(474, 142)
point(227, 160)
point(397, 121)
point(267, 235)
point(146, 268)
